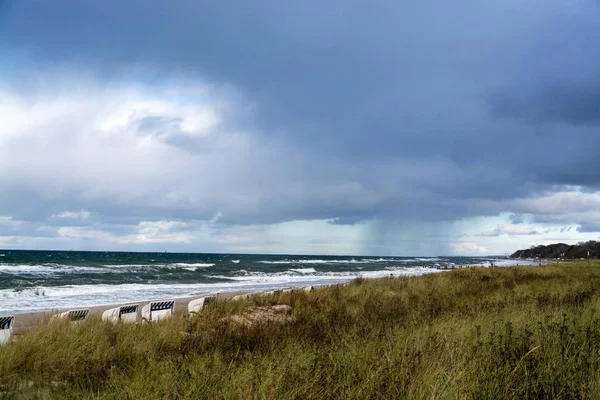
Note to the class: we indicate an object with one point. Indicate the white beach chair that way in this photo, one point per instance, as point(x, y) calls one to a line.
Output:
point(72, 315)
point(126, 314)
point(6, 327)
point(195, 306)
point(244, 296)
point(158, 310)
point(277, 291)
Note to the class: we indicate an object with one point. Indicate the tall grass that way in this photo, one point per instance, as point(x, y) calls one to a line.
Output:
point(523, 332)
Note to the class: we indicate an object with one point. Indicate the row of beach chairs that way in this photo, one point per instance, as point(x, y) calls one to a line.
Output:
point(151, 312)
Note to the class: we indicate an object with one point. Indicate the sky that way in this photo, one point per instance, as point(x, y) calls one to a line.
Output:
point(315, 127)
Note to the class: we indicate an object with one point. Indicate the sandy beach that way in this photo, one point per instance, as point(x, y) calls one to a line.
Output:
point(28, 320)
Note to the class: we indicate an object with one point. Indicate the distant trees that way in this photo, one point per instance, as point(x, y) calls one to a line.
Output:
point(589, 249)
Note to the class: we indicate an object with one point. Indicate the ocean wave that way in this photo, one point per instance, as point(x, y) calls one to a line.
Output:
point(43, 298)
point(52, 268)
point(168, 265)
point(190, 266)
point(286, 277)
point(303, 270)
point(321, 261)
point(292, 275)
point(133, 265)
point(235, 261)
point(45, 269)
point(197, 265)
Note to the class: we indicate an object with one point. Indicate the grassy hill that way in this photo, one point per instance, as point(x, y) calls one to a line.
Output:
point(522, 332)
point(586, 250)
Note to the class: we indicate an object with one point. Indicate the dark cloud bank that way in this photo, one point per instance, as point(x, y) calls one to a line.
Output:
point(392, 110)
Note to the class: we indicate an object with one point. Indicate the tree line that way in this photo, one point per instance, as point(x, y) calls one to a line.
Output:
point(589, 249)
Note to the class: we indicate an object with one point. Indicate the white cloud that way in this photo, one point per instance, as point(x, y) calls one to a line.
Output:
point(565, 207)
point(77, 215)
point(511, 230)
point(469, 249)
point(85, 147)
point(126, 154)
point(8, 223)
point(146, 232)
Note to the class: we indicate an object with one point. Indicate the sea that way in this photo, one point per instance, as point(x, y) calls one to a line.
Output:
point(33, 281)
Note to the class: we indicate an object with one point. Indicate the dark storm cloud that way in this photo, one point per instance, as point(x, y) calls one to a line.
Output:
point(573, 103)
point(490, 106)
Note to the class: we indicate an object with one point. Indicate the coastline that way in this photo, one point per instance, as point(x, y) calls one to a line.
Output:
point(27, 320)
point(48, 281)
point(393, 337)
point(24, 321)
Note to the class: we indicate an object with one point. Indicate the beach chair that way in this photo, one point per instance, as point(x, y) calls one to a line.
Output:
point(280, 291)
point(126, 314)
point(195, 306)
point(244, 296)
point(157, 310)
point(6, 327)
point(72, 315)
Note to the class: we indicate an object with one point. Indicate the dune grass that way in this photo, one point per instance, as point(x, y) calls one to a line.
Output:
point(522, 332)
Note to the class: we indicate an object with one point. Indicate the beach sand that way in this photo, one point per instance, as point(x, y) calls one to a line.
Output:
point(28, 320)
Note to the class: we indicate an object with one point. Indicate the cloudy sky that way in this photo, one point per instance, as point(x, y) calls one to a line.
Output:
point(338, 127)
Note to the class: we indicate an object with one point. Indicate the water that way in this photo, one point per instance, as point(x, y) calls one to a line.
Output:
point(45, 280)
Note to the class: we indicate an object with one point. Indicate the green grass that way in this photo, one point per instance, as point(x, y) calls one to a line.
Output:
point(524, 332)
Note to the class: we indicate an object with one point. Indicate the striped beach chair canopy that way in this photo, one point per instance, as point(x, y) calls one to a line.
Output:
point(72, 315)
point(129, 309)
point(158, 310)
point(6, 326)
point(78, 315)
point(127, 313)
point(6, 321)
point(162, 305)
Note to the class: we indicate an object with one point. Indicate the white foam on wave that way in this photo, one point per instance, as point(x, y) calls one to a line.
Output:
point(50, 268)
point(192, 265)
point(186, 266)
point(303, 270)
point(320, 261)
point(68, 296)
point(293, 276)
point(45, 298)
point(61, 297)
point(235, 261)
point(133, 266)
point(45, 268)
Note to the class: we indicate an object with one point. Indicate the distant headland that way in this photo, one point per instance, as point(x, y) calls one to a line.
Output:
point(589, 249)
